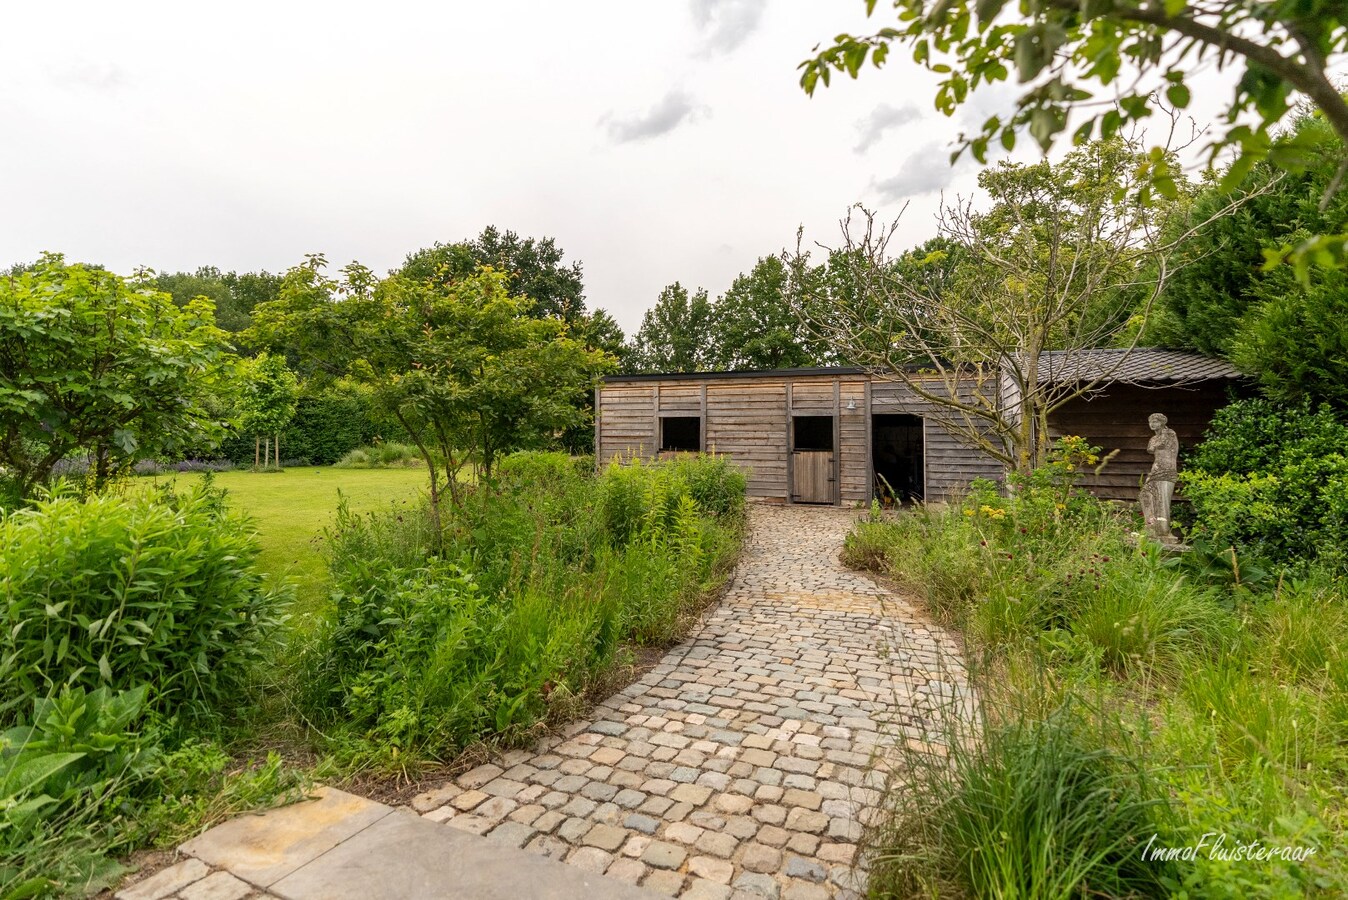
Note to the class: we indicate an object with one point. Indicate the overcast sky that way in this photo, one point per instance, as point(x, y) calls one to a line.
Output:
point(656, 141)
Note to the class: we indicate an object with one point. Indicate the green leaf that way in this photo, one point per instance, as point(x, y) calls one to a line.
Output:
point(1177, 95)
point(25, 775)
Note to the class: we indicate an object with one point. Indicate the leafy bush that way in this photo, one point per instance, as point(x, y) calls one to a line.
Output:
point(156, 590)
point(61, 776)
point(523, 608)
point(1250, 436)
point(1272, 481)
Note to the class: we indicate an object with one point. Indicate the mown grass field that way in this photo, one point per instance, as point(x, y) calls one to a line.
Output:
point(291, 509)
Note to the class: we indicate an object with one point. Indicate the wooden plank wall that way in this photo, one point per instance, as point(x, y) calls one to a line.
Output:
point(746, 419)
point(951, 461)
point(854, 443)
point(626, 422)
point(1117, 420)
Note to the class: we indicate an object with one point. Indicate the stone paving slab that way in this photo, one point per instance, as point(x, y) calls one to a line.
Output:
point(405, 856)
point(747, 763)
point(263, 849)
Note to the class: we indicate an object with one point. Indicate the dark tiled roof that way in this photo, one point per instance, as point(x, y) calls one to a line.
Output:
point(1142, 366)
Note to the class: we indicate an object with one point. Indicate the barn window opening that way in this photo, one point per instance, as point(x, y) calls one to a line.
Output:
point(681, 433)
point(813, 432)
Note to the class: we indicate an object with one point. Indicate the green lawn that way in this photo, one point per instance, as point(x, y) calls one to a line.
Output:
point(290, 510)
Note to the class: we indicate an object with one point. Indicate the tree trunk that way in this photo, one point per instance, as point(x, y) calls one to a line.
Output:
point(257, 451)
point(278, 450)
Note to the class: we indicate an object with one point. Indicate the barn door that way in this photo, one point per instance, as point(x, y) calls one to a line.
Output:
point(813, 464)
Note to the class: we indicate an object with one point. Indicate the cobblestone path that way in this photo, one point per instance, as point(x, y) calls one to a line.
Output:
point(744, 765)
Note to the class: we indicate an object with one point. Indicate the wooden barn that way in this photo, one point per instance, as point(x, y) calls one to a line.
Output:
point(832, 435)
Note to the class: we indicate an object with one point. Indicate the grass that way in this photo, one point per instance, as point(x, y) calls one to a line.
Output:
point(1125, 694)
point(291, 509)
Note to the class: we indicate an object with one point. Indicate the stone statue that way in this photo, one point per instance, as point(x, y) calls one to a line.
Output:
point(1159, 487)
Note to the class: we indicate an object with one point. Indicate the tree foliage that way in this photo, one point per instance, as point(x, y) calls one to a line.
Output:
point(233, 294)
point(1063, 52)
point(464, 367)
point(1061, 260)
point(1291, 333)
point(754, 325)
point(268, 394)
point(94, 363)
point(534, 268)
point(675, 334)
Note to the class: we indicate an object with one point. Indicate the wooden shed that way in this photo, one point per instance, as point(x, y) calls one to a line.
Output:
point(832, 435)
point(1184, 387)
point(803, 435)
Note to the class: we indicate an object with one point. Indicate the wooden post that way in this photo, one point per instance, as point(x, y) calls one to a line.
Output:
point(790, 451)
point(598, 434)
point(655, 422)
point(702, 420)
point(837, 440)
point(870, 437)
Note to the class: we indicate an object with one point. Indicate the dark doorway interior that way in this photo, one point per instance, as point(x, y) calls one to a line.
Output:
point(896, 449)
point(813, 433)
point(681, 433)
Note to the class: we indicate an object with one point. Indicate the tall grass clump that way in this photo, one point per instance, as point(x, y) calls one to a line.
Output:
point(380, 456)
point(525, 601)
point(1189, 693)
point(1020, 806)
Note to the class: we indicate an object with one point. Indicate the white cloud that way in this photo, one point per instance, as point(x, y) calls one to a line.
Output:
point(671, 111)
point(881, 119)
point(725, 24)
point(926, 171)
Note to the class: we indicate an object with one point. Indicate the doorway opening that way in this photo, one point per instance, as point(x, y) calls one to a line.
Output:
point(897, 457)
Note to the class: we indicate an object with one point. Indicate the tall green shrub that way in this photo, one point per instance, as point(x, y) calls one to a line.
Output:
point(1272, 480)
point(155, 590)
point(539, 579)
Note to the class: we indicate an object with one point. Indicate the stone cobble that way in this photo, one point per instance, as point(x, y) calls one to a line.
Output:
point(747, 763)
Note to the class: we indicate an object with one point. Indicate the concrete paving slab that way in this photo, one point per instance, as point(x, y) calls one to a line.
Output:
point(407, 857)
point(263, 849)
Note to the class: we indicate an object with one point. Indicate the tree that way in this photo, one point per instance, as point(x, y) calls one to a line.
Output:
point(534, 269)
point(1292, 334)
point(464, 367)
point(675, 333)
point(94, 363)
point(1061, 261)
point(754, 325)
point(1057, 48)
point(234, 295)
point(268, 397)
